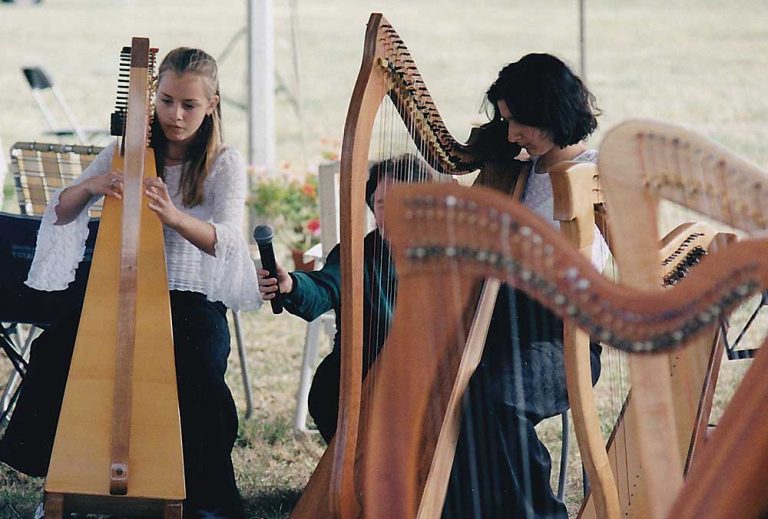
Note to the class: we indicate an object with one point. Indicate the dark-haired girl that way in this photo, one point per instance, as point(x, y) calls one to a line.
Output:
point(502, 469)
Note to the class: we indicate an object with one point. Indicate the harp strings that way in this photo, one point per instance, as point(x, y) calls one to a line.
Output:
point(612, 388)
point(686, 178)
point(716, 188)
point(399, 131)
point(654, 156)
point(397, 158)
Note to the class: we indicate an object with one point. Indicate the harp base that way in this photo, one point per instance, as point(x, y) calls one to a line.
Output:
point(57, 504)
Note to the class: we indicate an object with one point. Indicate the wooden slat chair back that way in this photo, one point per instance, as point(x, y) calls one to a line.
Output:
point(40, 169)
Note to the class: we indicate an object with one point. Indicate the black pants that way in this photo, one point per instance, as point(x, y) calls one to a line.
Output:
point(207, 410)
point(502, 469)
point(323, 399)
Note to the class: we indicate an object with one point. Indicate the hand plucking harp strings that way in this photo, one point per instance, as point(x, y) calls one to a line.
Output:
point(159, 201)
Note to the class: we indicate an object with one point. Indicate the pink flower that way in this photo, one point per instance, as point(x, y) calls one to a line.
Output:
point(309, 190)
point(313, 226)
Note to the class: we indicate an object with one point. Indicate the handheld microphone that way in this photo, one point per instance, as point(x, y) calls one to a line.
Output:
point(262, 235)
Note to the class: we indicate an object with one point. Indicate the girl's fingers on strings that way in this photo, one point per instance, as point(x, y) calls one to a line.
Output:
point(114, 187)
point(156, 199)
point(156, 183)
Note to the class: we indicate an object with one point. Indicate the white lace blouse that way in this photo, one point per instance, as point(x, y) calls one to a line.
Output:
point(229, 276)
point(539, 198)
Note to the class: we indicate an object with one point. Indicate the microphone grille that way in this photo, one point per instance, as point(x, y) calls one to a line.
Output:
point(262, 234)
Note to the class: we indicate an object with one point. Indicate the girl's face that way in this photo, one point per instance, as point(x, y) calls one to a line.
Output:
point(536, 141)
point(182, 104)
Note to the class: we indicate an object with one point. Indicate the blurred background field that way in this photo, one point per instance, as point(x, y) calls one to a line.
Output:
point(699, 63)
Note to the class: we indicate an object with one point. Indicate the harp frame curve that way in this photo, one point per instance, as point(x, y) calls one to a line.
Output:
point(387, 71)
point(644, 162)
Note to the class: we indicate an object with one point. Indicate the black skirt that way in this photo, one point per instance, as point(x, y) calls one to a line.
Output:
point(207, 409)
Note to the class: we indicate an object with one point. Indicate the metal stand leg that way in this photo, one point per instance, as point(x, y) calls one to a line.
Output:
point(563, 456)
point(243, 366)
point(16, 341)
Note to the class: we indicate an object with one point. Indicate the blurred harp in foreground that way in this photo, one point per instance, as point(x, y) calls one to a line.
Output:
point(648, 168)
point(476, 233)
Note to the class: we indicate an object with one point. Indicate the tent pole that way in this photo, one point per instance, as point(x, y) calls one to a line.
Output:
point(261, 86)
point(582, 45)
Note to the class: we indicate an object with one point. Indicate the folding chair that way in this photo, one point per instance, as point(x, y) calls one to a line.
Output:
point(45, 93)
point(24, 311)
point(39, 169)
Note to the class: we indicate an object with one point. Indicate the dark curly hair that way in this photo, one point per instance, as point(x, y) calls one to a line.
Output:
point(541, 91)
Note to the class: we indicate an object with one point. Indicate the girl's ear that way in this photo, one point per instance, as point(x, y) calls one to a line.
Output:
point(212, 104)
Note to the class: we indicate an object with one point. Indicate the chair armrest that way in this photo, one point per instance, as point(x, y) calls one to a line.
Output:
point(314, 253)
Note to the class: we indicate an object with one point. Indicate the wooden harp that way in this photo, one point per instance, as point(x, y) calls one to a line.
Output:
point(439, 231)
point(118, 442)
point(576, 195)
point(616, 487)
point(337, 487)
point(643, 164)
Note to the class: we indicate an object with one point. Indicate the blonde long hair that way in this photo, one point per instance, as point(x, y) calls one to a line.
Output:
point(202, 151)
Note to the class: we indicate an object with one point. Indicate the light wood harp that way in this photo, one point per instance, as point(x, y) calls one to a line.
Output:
point(118, 443)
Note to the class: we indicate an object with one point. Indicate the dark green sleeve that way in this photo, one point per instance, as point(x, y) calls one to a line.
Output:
point(316, 292)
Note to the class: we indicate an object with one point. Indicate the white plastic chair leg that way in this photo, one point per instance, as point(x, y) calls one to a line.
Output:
point(308, 363)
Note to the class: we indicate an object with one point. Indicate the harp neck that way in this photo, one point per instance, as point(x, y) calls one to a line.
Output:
point(387, 71)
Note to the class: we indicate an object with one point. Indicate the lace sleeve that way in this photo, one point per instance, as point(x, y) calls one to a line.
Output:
point(230, 276)
point(60, 248)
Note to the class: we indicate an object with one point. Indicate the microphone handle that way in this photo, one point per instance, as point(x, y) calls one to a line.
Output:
point(267, 254)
